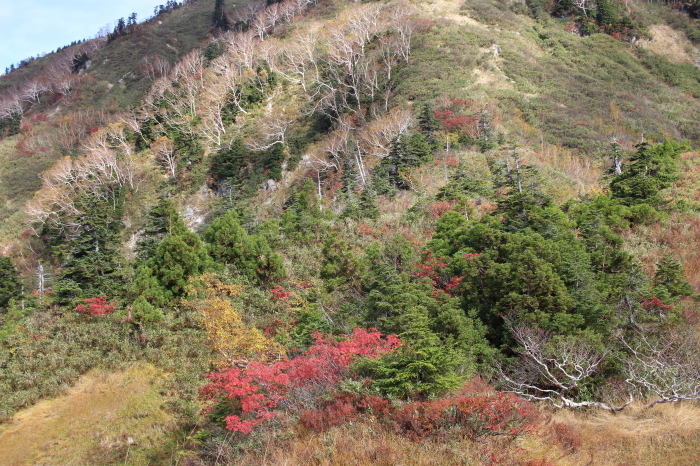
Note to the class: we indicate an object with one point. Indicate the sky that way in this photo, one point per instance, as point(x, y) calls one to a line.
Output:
point(32, 27)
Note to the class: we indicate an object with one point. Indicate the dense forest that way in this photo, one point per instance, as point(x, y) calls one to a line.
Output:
point(329, 232)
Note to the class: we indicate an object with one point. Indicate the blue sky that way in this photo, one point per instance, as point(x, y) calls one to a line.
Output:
point(31, 27)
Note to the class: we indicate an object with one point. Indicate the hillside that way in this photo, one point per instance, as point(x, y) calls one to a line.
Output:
point(334, 232)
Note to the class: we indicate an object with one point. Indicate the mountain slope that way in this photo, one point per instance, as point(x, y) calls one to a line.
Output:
point(489, 188)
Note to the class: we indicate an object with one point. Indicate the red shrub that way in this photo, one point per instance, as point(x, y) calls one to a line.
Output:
point(259, 389)
point(471, 415)
point(465, 413)
point(279, 293)
point(96, 306)
point(343, 409)
point(437, 209)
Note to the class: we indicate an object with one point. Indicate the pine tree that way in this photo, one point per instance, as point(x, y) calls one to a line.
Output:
point(179, 256)
point(161, 220)
point(668, 279)
point(302, 215)
point(10, 286)
point(440, 341)
point(91, 260)
point(250, 255)
point(220, 18)
point(429, 125)
point(650, 169)
point(524, 204)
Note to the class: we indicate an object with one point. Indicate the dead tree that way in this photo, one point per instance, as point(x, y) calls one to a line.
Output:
point(665, 366)
point(553, 369)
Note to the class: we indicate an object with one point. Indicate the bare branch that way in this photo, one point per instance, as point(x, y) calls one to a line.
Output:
point(666, 365)
point(550, 369)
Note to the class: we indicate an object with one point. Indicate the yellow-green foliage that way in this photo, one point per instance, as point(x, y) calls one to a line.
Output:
point(229, 337)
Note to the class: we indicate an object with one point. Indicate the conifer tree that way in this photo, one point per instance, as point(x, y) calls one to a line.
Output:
point(220, 18)
point(650, 169)
point(179, 256)
point(160, 221)
point(10, 286)
point(251, 255)
point(668, 279)
point(440, 341)
point(302, 214)
point(91, 260)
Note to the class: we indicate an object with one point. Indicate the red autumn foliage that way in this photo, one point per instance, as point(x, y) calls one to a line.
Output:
point(437, 209)
point(365, 229)
point(454, 120)
point(435, 268)
point(471, 415)
point(255, 391)
point(96, 306)
point(654, 304)
point(466, 413)
point(279, 293)
point(430, 267)
point(344, 408)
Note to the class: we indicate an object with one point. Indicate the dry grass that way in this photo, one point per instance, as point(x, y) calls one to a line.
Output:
point(669, 43)
point(666, 434)
point(358, 444)
point(104, 418)
point(580, 176)
point(679, 237)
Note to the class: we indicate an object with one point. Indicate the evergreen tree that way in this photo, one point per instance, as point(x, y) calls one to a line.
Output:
point(79, 61)
point(341, 266)
point(463, 184)
point(524, 205)
point(668, 279)
point(220, 18)
point(650, 169)
point(607, 13)
point(160, 221)
point(542, 282)
point(179, 256)
point(362, 208)
point(302, 215)
point(598, 221)
point(91, 260)
point(429, 125)
point(10, 286)
point(251, 255)
point(440, 341)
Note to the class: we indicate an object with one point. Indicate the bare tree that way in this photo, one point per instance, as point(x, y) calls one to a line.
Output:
point(212, 125)
point(552, 369)
point(403, 21)
point(273, 129)
point(32, 90)
point(584, 5)
point(241, 49)
point(377, 139)
point(154, 66)
point(11, 104)
point(297, 61)
point(260, 25)
point(164, 150)
point(665, 365)
point(65, 84)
